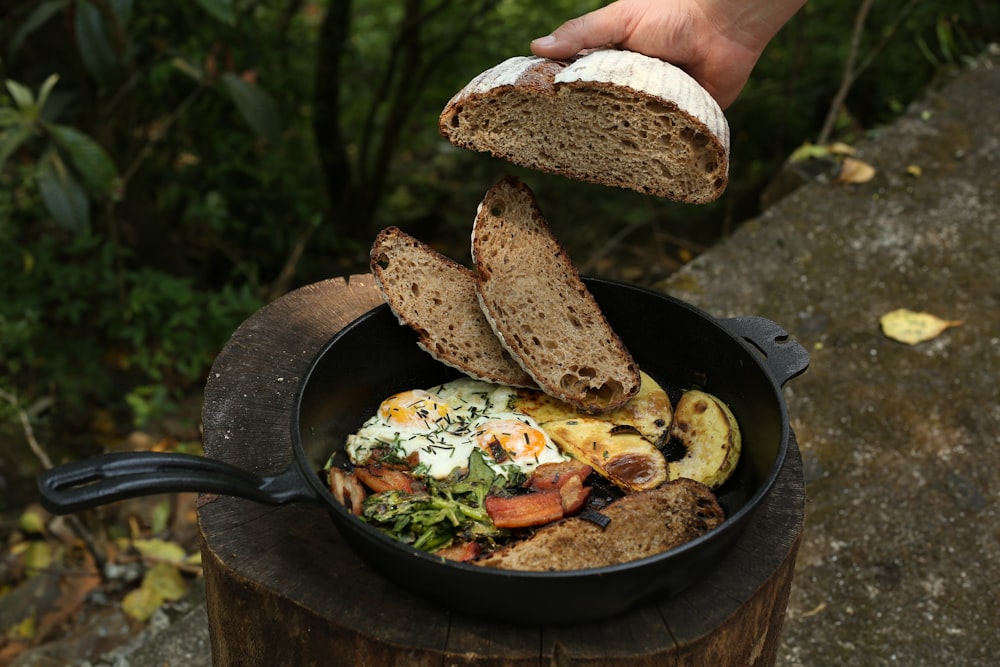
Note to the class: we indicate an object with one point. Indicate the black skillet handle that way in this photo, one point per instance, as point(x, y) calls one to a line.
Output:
point(103, 479)
point(783, 356)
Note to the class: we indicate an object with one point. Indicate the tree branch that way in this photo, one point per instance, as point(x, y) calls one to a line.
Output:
point(29, 432)
point(848, 77)
point(327, 120)
point(421, 63)
point(74, 521)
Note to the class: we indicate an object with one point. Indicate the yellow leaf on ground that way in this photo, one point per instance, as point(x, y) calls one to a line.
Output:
point(26, 628)
point(37, 557)
point(166, 579)
point(161, 516)
point(141, 603)
point(855, 171)
point(911, 327)
point(31, 522)
point(808, 151)
point(162, 582)
point(160, 550)
point(840, 148)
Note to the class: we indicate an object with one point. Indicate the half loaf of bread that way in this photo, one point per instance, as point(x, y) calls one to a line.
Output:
point(642, 524)
point(436, 297)
point(613, 117)
point(539, 308)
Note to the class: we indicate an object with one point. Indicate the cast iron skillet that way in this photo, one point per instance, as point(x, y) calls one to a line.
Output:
point(744, 361)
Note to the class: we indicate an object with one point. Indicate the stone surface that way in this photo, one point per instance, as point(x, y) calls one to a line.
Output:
point(900, 442)
point(176, 636)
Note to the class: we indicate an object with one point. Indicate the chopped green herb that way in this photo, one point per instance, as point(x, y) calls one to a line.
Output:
point(450, 509)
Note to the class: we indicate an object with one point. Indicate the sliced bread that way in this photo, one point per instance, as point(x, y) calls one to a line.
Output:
point(539, 308)
point(613, 117)
point(642, 524)
point(436, 297)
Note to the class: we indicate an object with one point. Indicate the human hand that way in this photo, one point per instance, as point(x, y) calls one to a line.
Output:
point(717, 42)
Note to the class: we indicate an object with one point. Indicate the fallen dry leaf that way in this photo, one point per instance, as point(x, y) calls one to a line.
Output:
point(161, 583)
point(141, 603)
point(32, 522)
point(808, 151)
point(911, 327)
point(37, 557)
point(166, 579)
point(27, 628)
point(40, 606)
point(74, 590)
point(161, 516)
point(840, 148)
point(854, 170)
point(160, 550)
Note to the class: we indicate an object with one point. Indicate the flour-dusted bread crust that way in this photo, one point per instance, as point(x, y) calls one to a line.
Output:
point(436, 297)
point(612, 117)
point(539, 308)
point(642, 524)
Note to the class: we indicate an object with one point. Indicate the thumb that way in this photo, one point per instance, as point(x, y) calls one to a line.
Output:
point(601, 27)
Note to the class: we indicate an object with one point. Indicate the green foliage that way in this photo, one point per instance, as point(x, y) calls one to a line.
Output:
point(70, 318)
point(71, 165)
point(141, 228)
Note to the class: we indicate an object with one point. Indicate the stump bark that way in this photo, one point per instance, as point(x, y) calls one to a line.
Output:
point(282, 587)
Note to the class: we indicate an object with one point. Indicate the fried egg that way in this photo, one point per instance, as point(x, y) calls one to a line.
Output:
point(413, 410)
point(442, 425)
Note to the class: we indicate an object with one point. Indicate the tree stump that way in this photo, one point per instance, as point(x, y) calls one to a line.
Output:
point(282, 587)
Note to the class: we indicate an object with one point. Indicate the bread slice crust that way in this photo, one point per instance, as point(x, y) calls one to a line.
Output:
point(436, 297)
point(612, 117)
point(641, 524)
point(540, 309)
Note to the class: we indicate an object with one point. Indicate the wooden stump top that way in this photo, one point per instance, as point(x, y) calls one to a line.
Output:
point(284, 589)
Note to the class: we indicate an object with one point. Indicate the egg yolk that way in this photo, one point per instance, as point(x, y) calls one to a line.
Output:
point(510, 438)
point(414, 409)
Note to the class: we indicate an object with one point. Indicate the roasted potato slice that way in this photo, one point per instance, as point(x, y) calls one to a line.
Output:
point(619, 453)
point(711, 438)
point(649, 410)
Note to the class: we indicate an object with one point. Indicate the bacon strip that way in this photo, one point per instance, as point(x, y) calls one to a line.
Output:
point(554, 475)
point(460, 552)
point(346, 488)
point(573, 495)
point(379, 479)
point(529, 509)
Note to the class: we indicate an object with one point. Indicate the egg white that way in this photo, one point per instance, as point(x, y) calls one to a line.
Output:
point(446, 443)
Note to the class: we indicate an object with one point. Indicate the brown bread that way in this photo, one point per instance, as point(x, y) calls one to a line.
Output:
point(436, 296)
point(542, 312)
point(612, 117)
point(642, 524)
